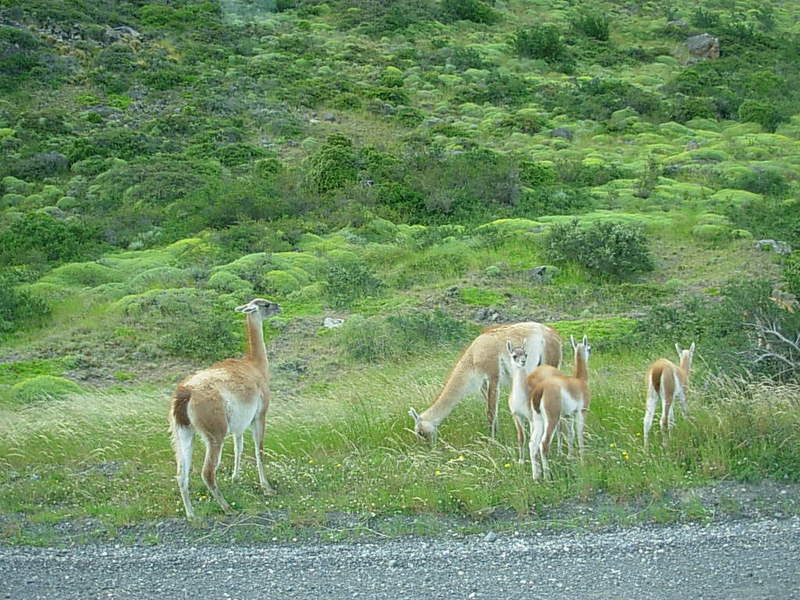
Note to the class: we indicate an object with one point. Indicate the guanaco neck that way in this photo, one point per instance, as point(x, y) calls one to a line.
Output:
point(519, 377)
point(581, 371)
point(683, 370)
point(256, 350)
point(454, 388)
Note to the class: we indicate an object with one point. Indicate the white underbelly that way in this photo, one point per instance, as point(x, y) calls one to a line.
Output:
point(569, 405)
point(240, 414)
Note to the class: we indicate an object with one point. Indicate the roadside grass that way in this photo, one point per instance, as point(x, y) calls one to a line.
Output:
point(348, 449)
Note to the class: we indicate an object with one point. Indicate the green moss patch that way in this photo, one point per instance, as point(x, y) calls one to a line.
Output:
point(43, 387)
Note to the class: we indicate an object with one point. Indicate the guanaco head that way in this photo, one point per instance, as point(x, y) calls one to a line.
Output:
point(685, 356)
point(518, 355)
point(260, 308)
point(425, 430)
point(581, 348)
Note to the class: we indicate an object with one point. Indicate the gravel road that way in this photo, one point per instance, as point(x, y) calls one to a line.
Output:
point(731, 560)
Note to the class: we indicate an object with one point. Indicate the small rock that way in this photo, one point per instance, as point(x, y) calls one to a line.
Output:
point(332, 322)
point(779, 247)
point(703, 46)
point(490, 537)
point(562, 132)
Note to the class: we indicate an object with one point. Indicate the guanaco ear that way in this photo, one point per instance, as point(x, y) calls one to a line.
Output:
point(413, 414)
point(572, 340)
point(508, 346)
point(678, 349)
point(586, 340)
point(691, 348)
point(246, 308)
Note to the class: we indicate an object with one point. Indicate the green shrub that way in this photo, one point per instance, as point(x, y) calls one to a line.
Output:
point(705, 19)
point(768, 217)
point(767, 181)
point(18, 309)
point(555, 200)
point(541, 41)
point(225, 281)
point(237, 154)
point(334, 165)
point(537, 174)
point(592, 24)
point(603, 333)
point(730, 324)
point(13, 185)
point(476, 11)
point(43, 388)
point(211, 334)
point(349, 281)
point(38, 237)
point(380, 339)
point(791, 273)
point(87, 274)
point(159, 278)
point(615, 249)
point(763, 113)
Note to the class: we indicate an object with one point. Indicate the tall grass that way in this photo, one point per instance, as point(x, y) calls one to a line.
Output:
point(350, 449)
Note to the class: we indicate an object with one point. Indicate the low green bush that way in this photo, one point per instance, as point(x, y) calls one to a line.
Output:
point(477, 11)
point(213, 333)
point(380, 339)
point(540, 41)
point(39, 238)
point(595, 25)
point(605, 248)
point(42, 388)
point(18, 308)
point(350, 280)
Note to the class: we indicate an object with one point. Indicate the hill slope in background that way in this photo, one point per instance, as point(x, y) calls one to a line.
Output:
point(419, 169)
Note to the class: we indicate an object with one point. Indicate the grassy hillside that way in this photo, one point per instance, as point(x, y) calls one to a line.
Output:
point(406, 166)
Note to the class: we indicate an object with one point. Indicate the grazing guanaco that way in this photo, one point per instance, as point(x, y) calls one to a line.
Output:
point(485, 364)
point(556, 396)
point(666, 380)
point(228, 397)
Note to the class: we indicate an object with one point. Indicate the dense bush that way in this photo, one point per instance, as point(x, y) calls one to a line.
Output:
point(39, 238)
point(380, 339)
point(555, 200)
point(334, 165)
point(768, 218)
point(605, 248)
point(25, 59)
point(763, 113)
point(597, 98)
point(766, 181)
point(469, 185)
point(592, 24)
point(385, 16)
point(348, 281)
point(791, 273)
point(212, 334)
point(541, 41)
point(477, 11)
point(18, 308)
